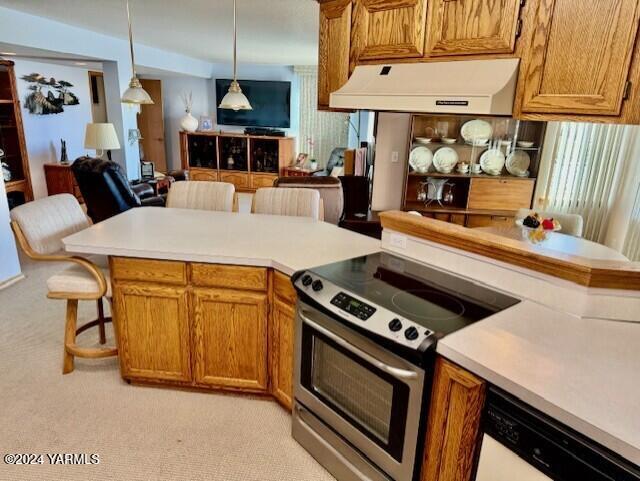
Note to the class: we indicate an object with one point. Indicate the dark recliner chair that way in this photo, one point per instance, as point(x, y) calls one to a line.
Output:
point(107, 192)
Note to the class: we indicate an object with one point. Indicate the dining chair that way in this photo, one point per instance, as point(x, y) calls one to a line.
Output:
point(329, 188)
point(39, 227)
point(289, 202)
point(571, 224)
point(203, 195)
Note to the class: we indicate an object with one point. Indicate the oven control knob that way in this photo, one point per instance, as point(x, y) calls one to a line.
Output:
point(317, 285)
point(395, 325)
point(411, 333)
point(306, 280)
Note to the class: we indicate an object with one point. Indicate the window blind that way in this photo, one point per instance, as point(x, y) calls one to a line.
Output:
point(632, 241)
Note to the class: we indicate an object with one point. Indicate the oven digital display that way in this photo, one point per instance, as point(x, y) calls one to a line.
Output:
point(353, 306)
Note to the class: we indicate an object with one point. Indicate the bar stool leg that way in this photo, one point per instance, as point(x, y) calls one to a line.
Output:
point(70, 334)
point(103, 337)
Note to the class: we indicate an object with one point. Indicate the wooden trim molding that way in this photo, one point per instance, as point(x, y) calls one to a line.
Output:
point(583, 271)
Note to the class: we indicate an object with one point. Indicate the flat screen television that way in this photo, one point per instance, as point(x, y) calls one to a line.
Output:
point(271, 102)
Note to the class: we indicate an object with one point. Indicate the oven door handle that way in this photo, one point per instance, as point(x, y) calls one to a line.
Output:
point(393, 371)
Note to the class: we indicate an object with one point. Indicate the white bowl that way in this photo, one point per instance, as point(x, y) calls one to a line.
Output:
point(525, 144)
point(448, 140)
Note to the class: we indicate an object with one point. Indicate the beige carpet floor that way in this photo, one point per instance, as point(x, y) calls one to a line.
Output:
point(139, 433)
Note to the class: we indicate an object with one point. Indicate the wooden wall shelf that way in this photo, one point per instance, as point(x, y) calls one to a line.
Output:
point(12, 140)
point(257, 159)
point(583, 271)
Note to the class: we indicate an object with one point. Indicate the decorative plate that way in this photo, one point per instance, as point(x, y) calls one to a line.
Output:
point(476, 130)
point(518, 162)
point(492, 161)
point(445, 160)
point(420, 159)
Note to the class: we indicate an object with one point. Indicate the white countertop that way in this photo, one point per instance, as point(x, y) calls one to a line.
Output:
point(583, 372)
point(287, 244)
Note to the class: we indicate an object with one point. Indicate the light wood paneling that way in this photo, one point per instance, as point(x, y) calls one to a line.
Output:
point(453, 427)
point(262, 180)
point(503, 194)
point(229, 277)
point(239, 179)
point(203, 174)
point(581, 270)
point(281, 351)
point(230, 339)
point(283, 288)
point(387, 29)
point(151, 125)
point(333, 49)
point(579, 58)
point(148, 270)
point(153, 331)
point(463, 27)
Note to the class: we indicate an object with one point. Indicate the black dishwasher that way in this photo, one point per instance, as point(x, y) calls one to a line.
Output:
point(545, 448)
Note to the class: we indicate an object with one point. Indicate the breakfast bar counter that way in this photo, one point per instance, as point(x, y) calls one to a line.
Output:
point(203, 300)
point(284, 243)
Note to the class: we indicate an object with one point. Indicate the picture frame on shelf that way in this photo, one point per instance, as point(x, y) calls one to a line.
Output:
point(147, 170)
point(206, 124)
point(301, 160)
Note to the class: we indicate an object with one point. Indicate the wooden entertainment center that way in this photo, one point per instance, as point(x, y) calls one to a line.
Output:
point(246, 161)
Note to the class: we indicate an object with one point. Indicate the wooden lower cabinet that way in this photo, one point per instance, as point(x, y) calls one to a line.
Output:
point(153, 331)
point(230, 338)
point(453, 427)
point(210, 175)
point(282, 341)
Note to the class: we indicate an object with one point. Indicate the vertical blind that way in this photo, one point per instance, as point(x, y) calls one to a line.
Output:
point(586, 173)
point(320, 132)
point(632, 242)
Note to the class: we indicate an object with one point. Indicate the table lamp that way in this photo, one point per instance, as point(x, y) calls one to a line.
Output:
point(101, 137)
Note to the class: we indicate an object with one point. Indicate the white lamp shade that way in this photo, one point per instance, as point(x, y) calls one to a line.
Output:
point(101, 137)
point(135, 94)
point(235, 99)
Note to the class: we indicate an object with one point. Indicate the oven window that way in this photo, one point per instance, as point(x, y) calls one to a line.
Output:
point(354, 389)
point(371, 400)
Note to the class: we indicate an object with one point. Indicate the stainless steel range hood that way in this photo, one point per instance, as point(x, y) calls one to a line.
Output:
point(485, 87)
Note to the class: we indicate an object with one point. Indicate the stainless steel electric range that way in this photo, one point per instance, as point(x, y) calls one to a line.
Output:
point(366, 329)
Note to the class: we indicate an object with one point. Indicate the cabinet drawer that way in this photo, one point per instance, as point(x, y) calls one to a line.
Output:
point(283, 288)
point(489, 221)
point(203, 174)
point(239, 179)
point(500, 194)
point(148, 270)
point(262, 180)
point(229, 277)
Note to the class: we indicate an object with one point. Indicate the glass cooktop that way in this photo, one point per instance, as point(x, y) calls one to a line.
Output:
point(429, 297)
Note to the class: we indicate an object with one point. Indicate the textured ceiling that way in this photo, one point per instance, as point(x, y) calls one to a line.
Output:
point(269, 31)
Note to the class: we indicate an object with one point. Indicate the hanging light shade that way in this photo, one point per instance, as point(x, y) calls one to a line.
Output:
point(235, 99)
point(135, 94)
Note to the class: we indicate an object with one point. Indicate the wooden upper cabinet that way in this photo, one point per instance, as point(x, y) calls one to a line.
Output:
point(334, 48)
point(462, 27)
point(579, 58)
point(387, 29)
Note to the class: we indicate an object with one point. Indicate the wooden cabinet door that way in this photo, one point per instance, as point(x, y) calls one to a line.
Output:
point(239, 179)
point(203, 174)
point(457, 400)
point(461, 27)
point(579, 58)
point(334, 44)
point(282, 338)
point(153, 331)
point(230, 339)
point(387, 29)
point(500, 194)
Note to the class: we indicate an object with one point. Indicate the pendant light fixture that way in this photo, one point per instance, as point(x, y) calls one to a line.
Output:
point(235, 99)
point(135, 94)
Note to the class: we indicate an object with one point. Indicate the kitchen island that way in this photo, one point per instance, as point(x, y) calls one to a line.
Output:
point(203, 299)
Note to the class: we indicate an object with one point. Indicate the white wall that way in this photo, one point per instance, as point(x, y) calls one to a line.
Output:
point(9, 264)
point(388, 177)
point(43, 132)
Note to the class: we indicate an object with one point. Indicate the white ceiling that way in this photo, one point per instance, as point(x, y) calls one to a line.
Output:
point(269, 31)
